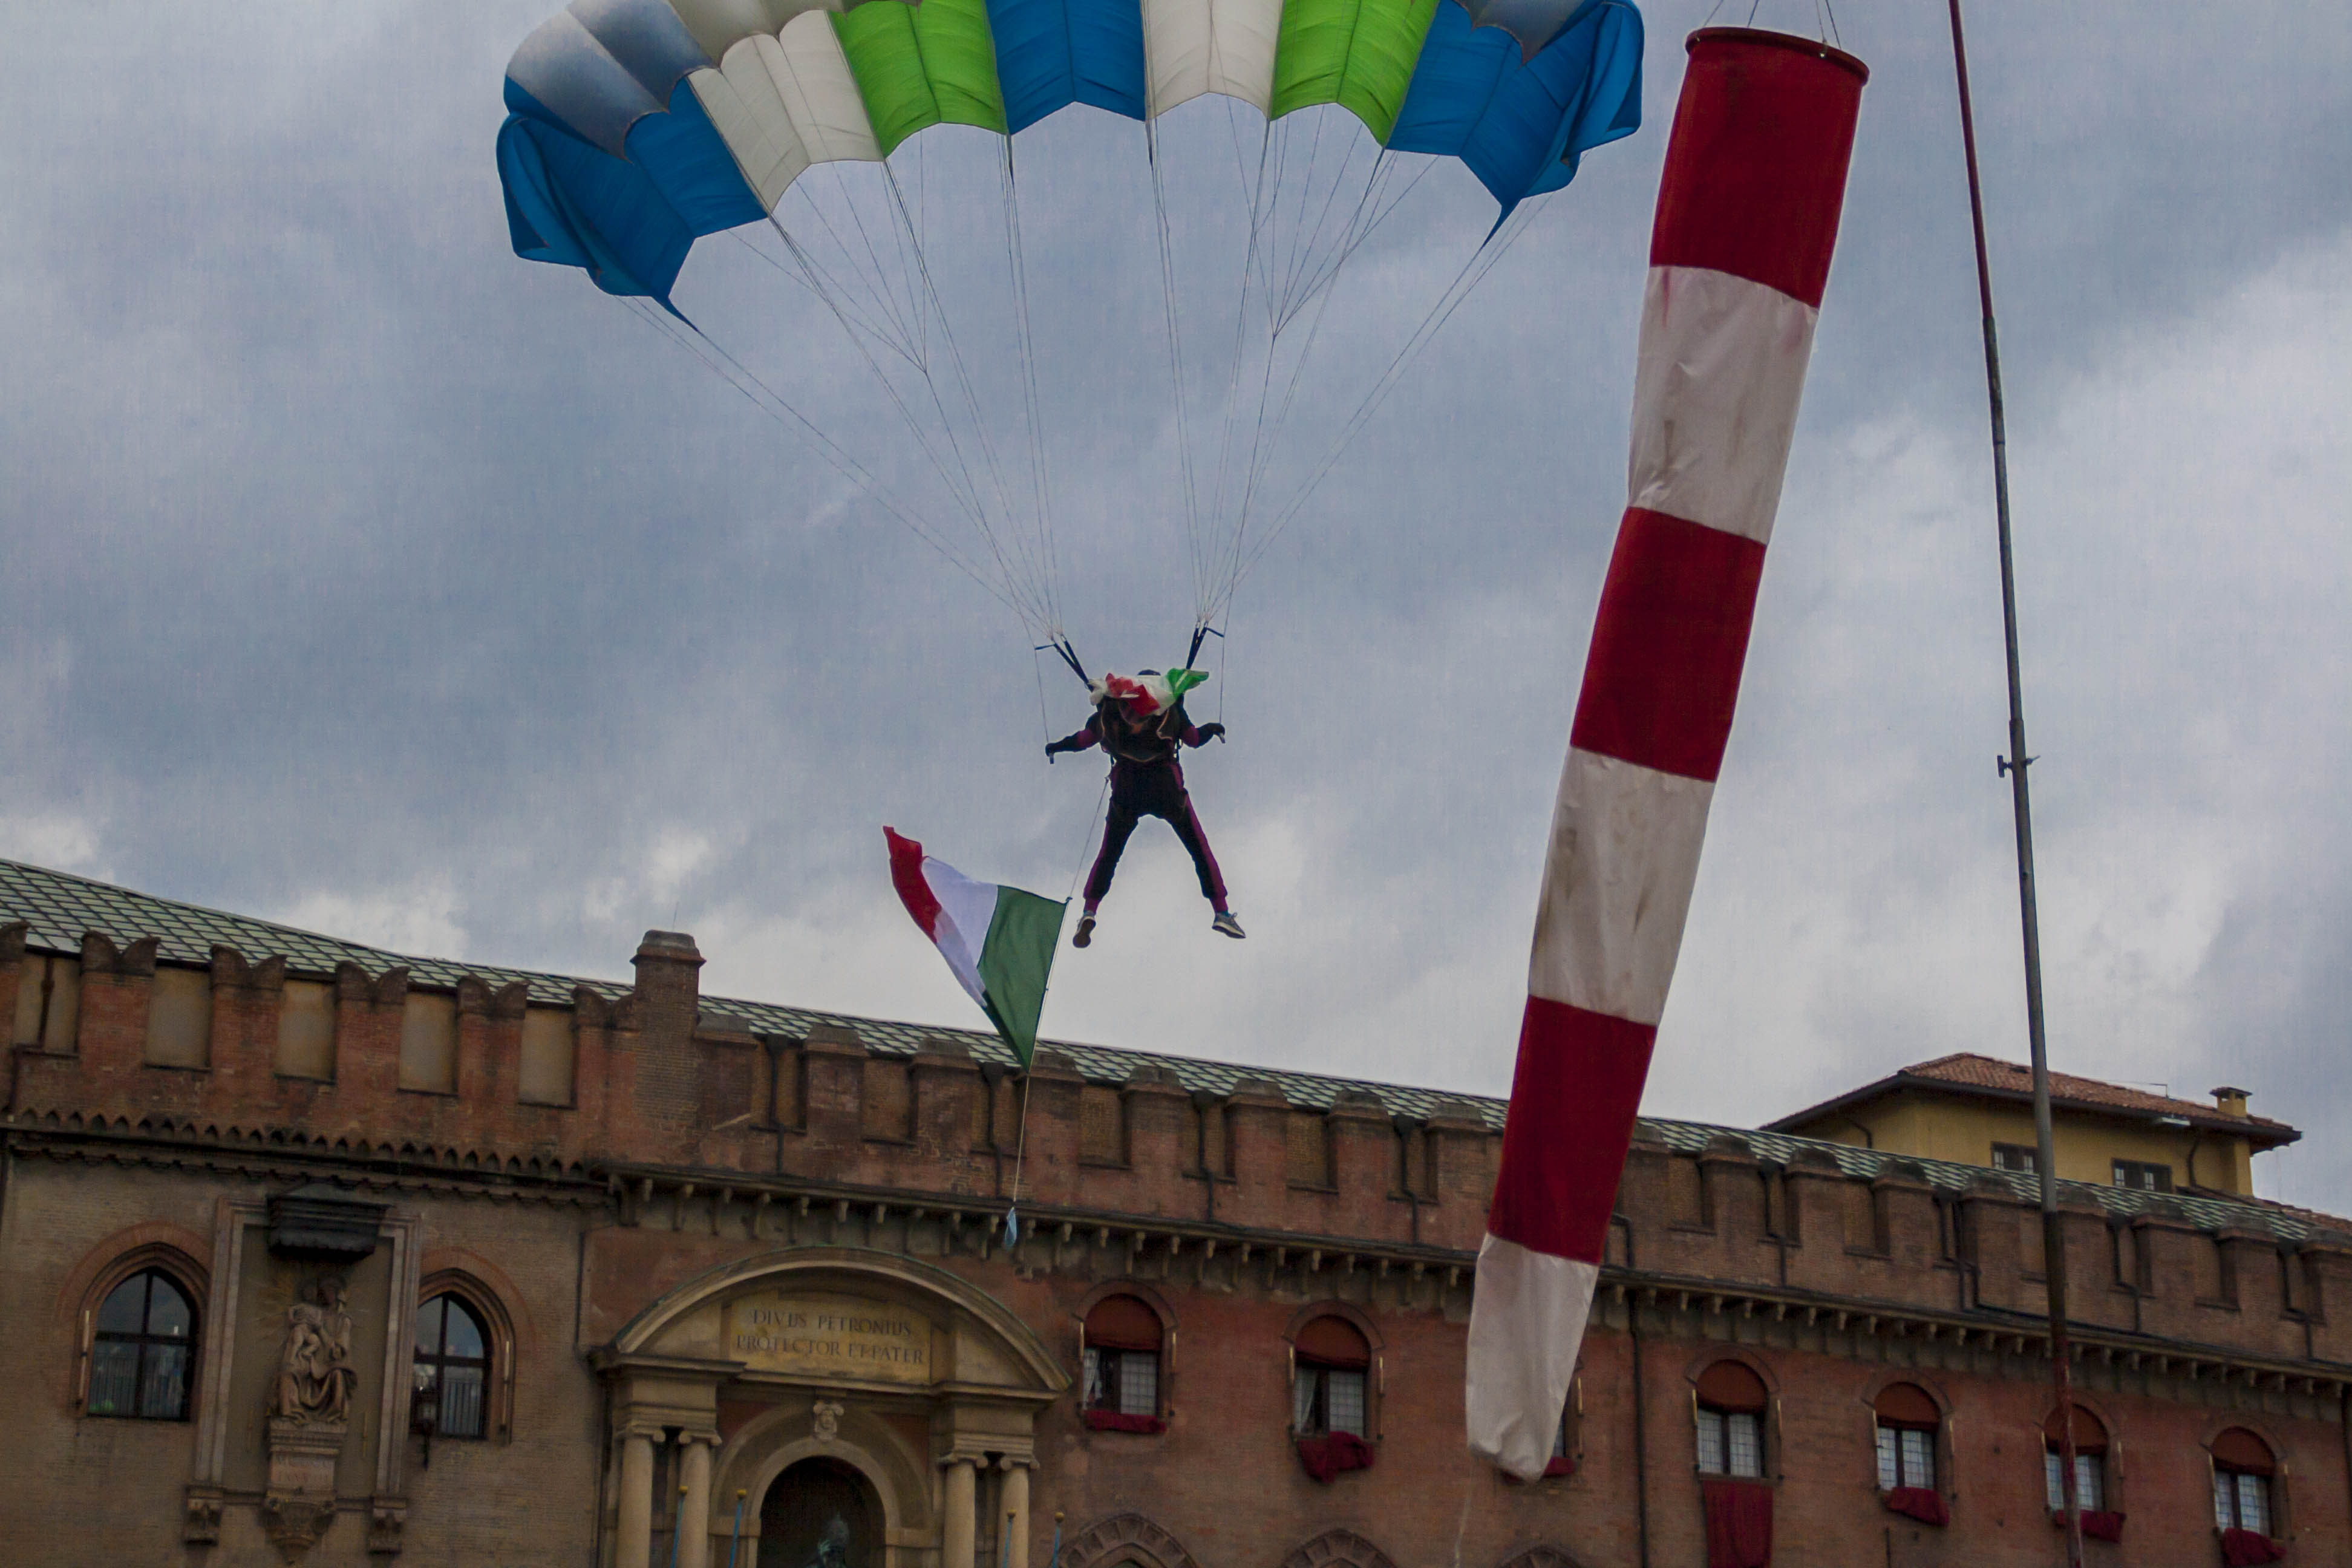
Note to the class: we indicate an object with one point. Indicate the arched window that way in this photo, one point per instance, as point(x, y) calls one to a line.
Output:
point(1731, 1404)
point(453, 1369)
point(1122, 1360)
point(1907, 1422)
point(142, 1350)
point(2242, 1472)
point(1333, 1360)
point(2090, 1461)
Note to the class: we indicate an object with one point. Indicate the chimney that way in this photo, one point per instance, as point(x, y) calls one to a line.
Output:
point(667, 987)
point(2229, 1101)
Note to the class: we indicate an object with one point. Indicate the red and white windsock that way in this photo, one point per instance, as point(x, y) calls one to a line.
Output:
point(1747, 214)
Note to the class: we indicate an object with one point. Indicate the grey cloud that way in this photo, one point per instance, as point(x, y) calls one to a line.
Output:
point(359, 569)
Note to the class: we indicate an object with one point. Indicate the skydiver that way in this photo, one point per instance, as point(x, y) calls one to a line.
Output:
point(1142, 730)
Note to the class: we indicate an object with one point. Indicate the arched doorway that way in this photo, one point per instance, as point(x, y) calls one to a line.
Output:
point(821, 1513)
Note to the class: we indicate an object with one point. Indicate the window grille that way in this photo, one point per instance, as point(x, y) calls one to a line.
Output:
point(451, 1367)
point(2090, 1481)
point(142, 1352)
point(1731, 1442)
point(1124, 1381)
point(1329, 1399)
point(1907, 1457)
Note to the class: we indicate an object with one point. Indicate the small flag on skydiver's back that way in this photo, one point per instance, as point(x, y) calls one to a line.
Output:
point(999, 941)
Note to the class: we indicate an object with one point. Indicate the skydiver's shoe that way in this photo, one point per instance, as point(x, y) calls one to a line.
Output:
point(1085, 933)
point(1223, 925)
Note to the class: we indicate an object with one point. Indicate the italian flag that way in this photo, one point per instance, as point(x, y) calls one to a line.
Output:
point(998, 940)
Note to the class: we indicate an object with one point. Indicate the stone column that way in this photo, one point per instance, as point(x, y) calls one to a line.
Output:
point(958, 1529)
point(694, 1506)
point(632, 1546)
point(1016, 1514)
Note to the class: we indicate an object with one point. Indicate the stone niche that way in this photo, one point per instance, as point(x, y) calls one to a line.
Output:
point(307, 1409)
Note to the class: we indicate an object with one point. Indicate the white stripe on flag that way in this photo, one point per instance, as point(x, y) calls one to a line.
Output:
point(1617, 885)
point(1722, 368)
point(966, 908)
point(1524, 1337)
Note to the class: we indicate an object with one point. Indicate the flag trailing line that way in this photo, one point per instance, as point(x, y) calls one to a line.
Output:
point(1746, 220)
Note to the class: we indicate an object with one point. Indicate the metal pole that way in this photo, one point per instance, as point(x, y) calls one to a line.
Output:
point(736, 1544)
point(2053, 1250)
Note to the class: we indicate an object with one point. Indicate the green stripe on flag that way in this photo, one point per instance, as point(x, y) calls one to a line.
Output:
point(1358, 54)
point(919, 66)
point(1018, 954)
point(1180, 681)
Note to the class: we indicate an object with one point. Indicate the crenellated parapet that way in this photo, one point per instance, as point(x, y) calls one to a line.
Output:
point(123, 1036)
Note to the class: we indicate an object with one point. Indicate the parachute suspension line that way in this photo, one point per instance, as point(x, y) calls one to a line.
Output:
point(874, 293)
point(1037, 668)
point(1202, 631)
point(1069, 657)
point(880, 274)
point(1224, 643)
point(1297, 231)
point(1204, 584)
point(1023, 589)
point(1353, 237)
point(1017, 260)
point(1264, 445)
point(1482, 261)
point(1024, 544)
point(1175, 355)
point(960, 484)
point(807, 275)
point(1304, 265)
point(766, 399)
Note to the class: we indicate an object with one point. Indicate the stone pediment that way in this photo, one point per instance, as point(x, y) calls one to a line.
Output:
point(846, 1317)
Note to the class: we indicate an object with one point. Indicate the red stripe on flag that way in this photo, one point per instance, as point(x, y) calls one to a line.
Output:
point(1573, 1098)
point(1756, 167)
point(1663, 676)
point(906, 876)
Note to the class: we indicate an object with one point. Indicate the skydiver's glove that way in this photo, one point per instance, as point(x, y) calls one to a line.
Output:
point(1054, 749)
point(1216, 732)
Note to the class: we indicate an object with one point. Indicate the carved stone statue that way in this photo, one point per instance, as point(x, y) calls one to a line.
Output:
point(833, 1549)
point(315, 1376)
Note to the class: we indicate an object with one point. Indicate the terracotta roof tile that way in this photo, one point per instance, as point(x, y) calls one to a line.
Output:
point(1973, 1071)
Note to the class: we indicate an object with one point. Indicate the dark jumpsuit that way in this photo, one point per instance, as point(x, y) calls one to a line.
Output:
point(1146, 780)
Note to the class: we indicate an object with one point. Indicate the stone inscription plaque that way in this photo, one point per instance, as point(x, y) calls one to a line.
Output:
point(836, 1336)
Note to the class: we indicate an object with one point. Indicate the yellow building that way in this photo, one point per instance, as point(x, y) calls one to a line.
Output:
point(1975, 1110)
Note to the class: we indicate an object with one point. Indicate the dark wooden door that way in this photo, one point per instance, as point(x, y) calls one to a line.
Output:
point(820, 1513)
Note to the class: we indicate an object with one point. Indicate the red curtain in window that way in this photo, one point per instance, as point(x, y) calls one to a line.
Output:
point(2242, 1450)
point(1326, 1458)
point(1907, 1405)
point(1924, 1504)
point(1116, 1421)
point(2090, 1432)
point(1732, 1386)
point(1738, 1523)
point(2245, 1548)
point(1334, 1342)
point(1123, 1323)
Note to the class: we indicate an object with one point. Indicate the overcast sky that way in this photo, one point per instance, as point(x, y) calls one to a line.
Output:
point(361, 575)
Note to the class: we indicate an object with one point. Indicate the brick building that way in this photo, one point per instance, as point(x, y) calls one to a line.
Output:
point(314, 1253)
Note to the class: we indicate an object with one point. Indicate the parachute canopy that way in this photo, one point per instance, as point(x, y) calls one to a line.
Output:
point(637, 126)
